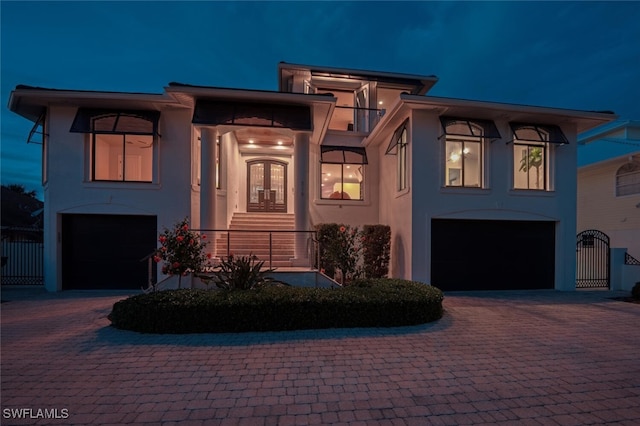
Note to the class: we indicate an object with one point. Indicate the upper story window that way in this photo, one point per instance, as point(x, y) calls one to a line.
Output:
point(464, 150)
point(398, 146)
point(122, 143)
point(628, 179)
point(531, 152)
point(342, 172)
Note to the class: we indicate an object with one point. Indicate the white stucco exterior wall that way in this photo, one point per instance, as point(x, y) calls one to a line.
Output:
point(599, 207)
point(69, 189)
point(497, 201)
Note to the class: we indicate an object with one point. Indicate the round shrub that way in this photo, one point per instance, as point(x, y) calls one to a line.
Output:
point(366, 303)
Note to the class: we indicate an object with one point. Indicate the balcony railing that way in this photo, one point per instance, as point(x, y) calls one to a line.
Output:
point(353, 119)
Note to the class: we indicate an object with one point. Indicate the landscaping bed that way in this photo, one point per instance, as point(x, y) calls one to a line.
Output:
point(365, 303)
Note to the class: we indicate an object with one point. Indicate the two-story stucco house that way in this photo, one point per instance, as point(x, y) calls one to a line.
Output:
point(478, 195)
point(609, 189)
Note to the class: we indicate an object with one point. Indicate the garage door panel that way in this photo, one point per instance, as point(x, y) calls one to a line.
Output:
point(492, 255)
point(104, 251)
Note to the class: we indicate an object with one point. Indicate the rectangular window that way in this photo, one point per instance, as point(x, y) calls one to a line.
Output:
point(127, 158)
point(463, 163)
point(402, 162)
point(342, 173)
point(342, 181)
point(530, 166)
point(464, 150)
point(531, 158)
point(398, 147)
point(122, 142)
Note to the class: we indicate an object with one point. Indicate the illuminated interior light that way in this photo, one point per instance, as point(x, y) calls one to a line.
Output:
point(454, 157)
point(251, 141)
point(465, 151)
point(279, 142)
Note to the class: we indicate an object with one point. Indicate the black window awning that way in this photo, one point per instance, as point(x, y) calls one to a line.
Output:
point(342, 155)
point(138, 122)
point(295, 117)
point(545, 133)
point(37, 133)
point(396, 138)
point(456, 126)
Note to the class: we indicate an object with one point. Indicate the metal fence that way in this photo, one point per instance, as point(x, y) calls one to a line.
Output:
point(22, 253)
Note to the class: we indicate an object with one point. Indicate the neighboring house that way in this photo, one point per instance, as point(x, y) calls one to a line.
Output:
point(478, 195)
point(609, 189)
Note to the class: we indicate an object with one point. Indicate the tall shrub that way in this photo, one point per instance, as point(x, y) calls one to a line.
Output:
point(376, 249)
point(182, 251)
point(339, 250)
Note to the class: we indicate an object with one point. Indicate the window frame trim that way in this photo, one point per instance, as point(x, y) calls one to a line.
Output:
point(546, 179)
point(490, 131)
point(354, 149)
point(556, 135)
point(92, 175)
point(634, 163)
point(84, 120)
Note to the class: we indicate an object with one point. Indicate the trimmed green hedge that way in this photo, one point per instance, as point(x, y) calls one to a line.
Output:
point(366, 303)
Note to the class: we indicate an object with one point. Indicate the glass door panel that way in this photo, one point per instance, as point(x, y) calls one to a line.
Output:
point(267, 186)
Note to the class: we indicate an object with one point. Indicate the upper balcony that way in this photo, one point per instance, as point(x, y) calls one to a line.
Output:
point(354, 119)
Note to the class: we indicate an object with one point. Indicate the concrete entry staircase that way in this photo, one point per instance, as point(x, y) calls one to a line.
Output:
point(257, 243)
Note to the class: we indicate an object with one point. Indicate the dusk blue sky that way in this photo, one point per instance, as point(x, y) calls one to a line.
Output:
point(582, 55)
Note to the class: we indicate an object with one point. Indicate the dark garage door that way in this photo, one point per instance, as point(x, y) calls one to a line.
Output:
point(492, 255)
point(104, 251)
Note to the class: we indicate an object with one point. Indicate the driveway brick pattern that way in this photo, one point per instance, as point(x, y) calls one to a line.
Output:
point(531, 357)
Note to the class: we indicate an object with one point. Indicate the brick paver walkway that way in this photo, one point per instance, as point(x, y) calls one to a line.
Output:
point(537, 358)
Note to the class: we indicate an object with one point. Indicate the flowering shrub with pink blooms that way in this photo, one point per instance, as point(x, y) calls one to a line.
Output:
point(340, 251)
point(182, 250)
point(348, 252)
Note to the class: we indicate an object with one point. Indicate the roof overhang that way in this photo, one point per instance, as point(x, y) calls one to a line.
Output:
point(422, 83)
point(582, 120)
point(29, 102)
point(628, 129)
point(321, 106)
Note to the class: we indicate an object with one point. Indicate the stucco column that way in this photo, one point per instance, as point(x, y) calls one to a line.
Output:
point(301, 196)
point(208, 154)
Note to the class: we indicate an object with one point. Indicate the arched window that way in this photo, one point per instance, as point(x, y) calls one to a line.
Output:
point(464, 150)
point(628, 179)
point(122, 143)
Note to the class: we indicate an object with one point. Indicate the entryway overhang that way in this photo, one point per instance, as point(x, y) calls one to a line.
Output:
point(237, 109)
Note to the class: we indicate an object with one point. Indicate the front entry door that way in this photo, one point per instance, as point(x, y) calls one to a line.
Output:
point(267, 186)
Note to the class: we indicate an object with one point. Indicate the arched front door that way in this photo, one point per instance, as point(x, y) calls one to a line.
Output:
point(267, 186)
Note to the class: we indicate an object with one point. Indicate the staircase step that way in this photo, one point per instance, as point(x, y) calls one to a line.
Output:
point(257, 243)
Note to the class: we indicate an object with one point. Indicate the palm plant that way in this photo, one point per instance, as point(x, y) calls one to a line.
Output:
point(532, 158)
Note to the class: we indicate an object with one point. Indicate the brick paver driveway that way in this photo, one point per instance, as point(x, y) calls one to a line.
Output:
point(499, 357)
